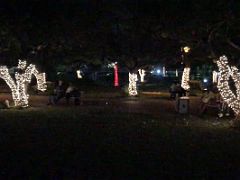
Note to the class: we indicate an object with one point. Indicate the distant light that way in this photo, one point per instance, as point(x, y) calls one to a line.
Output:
point(79, 74)
point(186, 49)
point(205, 80)
point(158, 71)
point(152, 72)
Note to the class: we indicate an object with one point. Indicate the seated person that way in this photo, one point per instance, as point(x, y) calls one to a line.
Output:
point(180, 91)
point(5, 104)
point(68, 93)
point(57, 94)
point(172, 91)
point(209, 98)
point(77, 95)
point(73, 92)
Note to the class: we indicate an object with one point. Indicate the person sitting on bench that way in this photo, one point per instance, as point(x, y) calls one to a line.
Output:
point(210, 98)
point(73, 92)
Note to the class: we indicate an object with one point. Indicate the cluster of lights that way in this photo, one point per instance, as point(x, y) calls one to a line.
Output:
point(142, 74)
point(132, 87)
point(185, 78)
point(225, 71)
point(19, 89)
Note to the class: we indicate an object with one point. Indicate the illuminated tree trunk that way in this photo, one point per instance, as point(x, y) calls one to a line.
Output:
point(185, 79)
point(214, 76)
point(225, 71)
point(142, 74)
point(19, 88)
point(132, 87)
point(116, 79)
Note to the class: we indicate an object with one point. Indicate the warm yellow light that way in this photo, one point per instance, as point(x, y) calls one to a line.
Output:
point(186, 49)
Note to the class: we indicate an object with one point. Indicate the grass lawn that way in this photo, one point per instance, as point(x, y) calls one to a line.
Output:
point(102, 142)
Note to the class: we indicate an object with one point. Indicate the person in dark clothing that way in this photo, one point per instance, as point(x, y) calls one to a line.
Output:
point(73, 92)
point(172, 91)
point(57, 94)
point(69, 92)
point(77, 95)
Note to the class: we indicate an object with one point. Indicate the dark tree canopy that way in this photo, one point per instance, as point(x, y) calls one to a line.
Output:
point(135, 33)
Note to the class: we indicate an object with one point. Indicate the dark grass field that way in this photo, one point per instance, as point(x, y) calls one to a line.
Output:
point(121, 139)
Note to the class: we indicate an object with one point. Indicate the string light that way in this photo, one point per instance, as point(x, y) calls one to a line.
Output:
point(185, 78)
point(176, 73)
point(164, 71)
point(214, 76)
point(79, 74)
point(132, 87)
point(19, 89)
point(225, 71)
point(142, 74)
point(4, 74)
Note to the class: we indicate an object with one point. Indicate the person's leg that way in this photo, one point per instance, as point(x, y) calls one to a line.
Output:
point(51, 100)
point(203, 108)
point(59, 97)
point(76, 101)
point(68, 95)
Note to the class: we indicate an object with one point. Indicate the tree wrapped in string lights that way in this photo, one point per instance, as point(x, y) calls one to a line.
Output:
point(19, 88)
point(225, 72)
point(142, 74)
point(132, 87)
point(185, 79)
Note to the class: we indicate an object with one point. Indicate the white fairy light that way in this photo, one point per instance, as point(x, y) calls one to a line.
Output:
point(185, 78)
point(79, 74)
point(214, 76)
point(176, 73)
point(142, 74)
point(19, 89)
point(225, 71)
point(4, 74)
point(21, 64)
point(164, 71)
point(132, 87)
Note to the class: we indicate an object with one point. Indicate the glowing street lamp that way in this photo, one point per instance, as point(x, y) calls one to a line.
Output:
point(186, 49)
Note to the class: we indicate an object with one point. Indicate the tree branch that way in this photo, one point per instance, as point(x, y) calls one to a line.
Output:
point(211, 34)
point(233, 44)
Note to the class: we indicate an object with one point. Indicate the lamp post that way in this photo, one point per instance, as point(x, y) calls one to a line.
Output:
point(185, 50)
